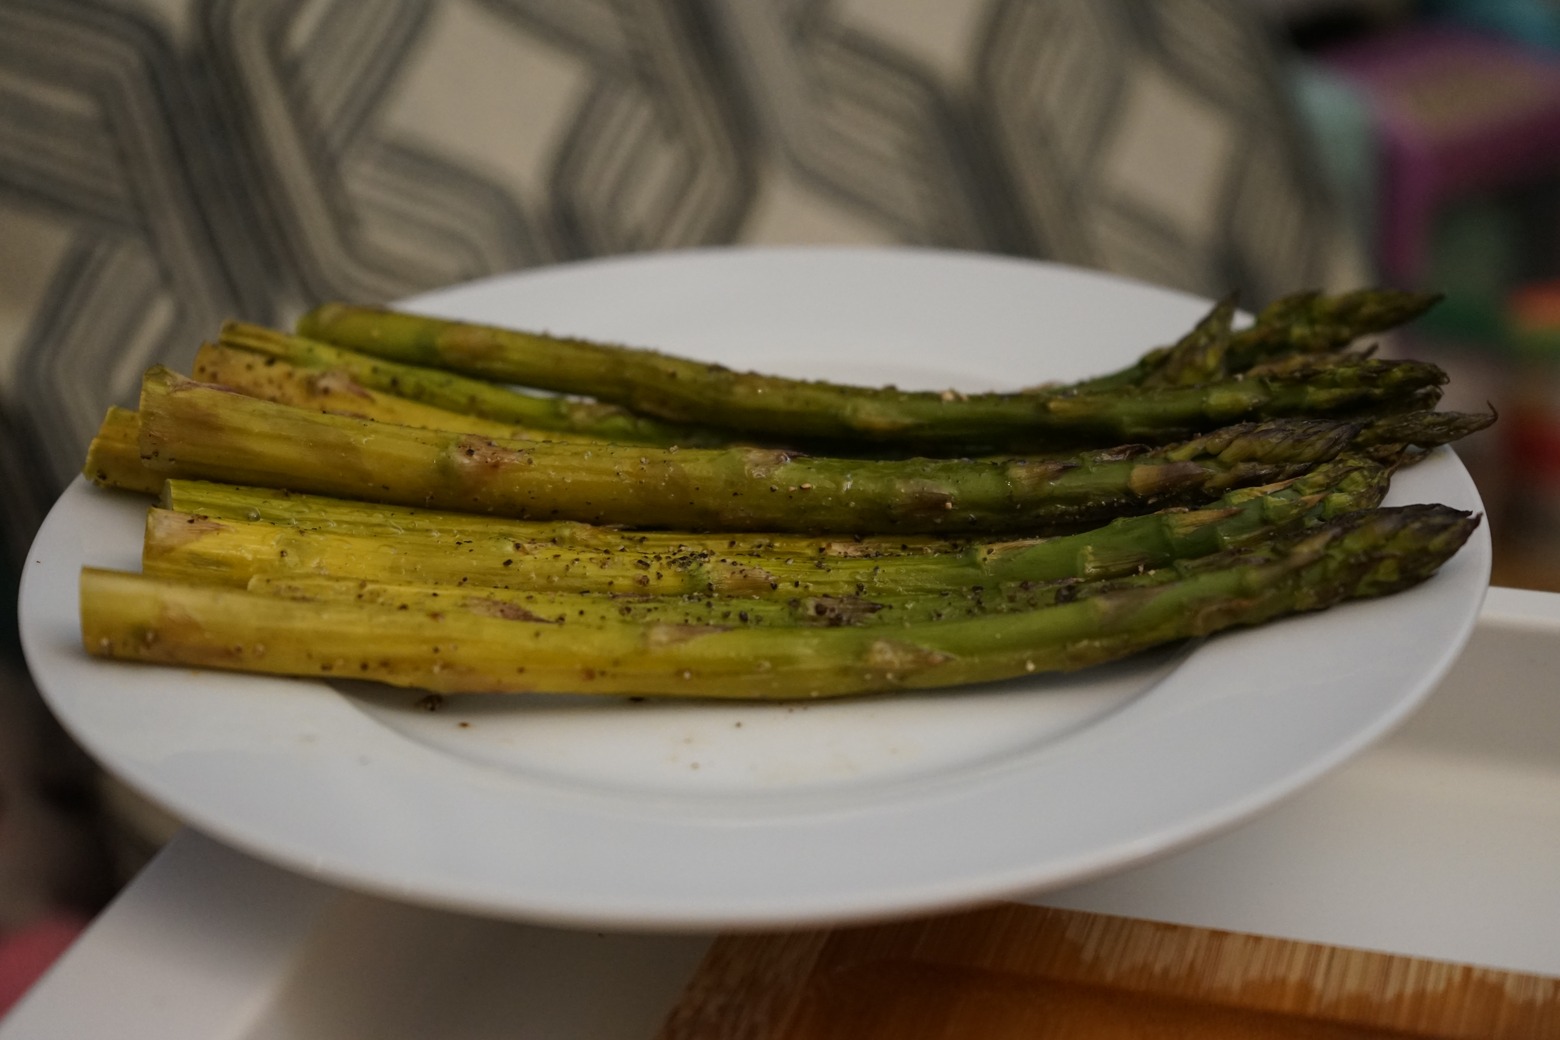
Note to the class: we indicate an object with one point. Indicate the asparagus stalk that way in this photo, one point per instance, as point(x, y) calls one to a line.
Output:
point(1132, 544)
point(893, 601)
point(136, 617)
point(565, 417)
point(566, 607)
point(1390, 433)
point(930, 422)
point(1198, 357)
point(196, 430)
point(555, 606)
point(233, 551)
point(1350, 482)
point(1307, 323)
point(1315, 323)
point(346, 516)
point(230, 549)
point(337, 392)
point(558, 607)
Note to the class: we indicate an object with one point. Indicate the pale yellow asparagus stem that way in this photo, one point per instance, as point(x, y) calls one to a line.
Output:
point(363, 543)
point(231, 552)
point(571, 418)
point(337, 392)
point(560, 607)
point(137, 617)
point(133, 616)
point(189, 547)
point(347, 516)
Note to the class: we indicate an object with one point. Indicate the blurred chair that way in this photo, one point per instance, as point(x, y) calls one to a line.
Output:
point(1457, 113)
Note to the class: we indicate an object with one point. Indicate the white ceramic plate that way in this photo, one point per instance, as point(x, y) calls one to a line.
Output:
point(611, 813)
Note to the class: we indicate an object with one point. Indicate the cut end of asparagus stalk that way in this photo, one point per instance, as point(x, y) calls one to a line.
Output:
point(114, 456)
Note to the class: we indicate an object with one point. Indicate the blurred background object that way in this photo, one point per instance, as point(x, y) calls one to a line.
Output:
point(1438, 123)
point(167, 164)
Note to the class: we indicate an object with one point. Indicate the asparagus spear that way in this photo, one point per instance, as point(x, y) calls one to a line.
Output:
point(1313, 323)
point(346, 516)
point(804, 411)
point(1302, 323)
point(335, 391)
point(230, 549)
point(233, 551)
point(556, 606)
point(136, 617)
point(1128, 545)
point(1350, 482)
point(565, 607)
point(893, 600)
point(559, 607)
point(575, 419)
point(196, 430)
point(1198, 357)
point(1421, 429)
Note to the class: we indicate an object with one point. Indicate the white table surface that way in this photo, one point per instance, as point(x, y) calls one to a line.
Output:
point(1443, 841)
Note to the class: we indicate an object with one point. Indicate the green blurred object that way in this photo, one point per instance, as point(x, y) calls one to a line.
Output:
point(1339, 122)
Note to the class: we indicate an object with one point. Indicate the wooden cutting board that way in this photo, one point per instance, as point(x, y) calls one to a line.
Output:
point(1035, 973)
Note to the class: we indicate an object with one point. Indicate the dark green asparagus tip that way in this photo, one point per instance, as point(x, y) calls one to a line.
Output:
point(1412, 543)
point(1425, 429)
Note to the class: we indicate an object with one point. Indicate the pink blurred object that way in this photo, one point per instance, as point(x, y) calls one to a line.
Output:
point(25, 954)
point(1456, 113)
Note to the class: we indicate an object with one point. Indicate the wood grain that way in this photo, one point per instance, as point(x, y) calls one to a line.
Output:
point(1022, 971)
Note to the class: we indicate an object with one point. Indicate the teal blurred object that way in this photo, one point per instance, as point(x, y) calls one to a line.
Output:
point(1535, 22)
point(1532, 420)
point(1339, 120)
